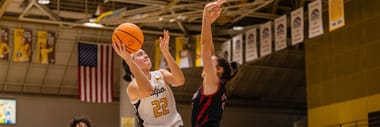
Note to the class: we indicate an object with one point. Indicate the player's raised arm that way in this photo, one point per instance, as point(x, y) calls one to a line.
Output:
point(210, 13)
point(141, 82)
point(175, 77)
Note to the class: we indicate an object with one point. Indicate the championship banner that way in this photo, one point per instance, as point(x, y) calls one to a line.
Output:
point(297, 26)
point(45, 47)
point(226, 50)
point(265, 39)
point(336, 14)
point(179, 41)
point(237, 49)
point(22, 45)
point(250, 45)
point(280, 33)
point(4, 44)
point(198, 60)
point(157, 55)
point(315, 19)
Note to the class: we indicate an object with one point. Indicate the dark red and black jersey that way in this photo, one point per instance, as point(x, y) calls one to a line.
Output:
point(208, 109)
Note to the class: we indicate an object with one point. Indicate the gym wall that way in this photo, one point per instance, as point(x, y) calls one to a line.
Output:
point(343, 68)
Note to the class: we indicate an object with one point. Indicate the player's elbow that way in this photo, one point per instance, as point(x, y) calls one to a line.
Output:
point(180, 82)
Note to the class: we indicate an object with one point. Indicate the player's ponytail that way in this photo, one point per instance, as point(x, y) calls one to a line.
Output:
point(127, 77)
point(230, 69)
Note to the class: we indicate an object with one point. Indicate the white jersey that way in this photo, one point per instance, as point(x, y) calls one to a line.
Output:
point(159, 109)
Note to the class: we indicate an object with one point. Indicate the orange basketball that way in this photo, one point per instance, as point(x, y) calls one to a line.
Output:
point(129, 34)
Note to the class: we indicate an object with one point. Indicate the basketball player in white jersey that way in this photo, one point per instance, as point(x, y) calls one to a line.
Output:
point(150, 91)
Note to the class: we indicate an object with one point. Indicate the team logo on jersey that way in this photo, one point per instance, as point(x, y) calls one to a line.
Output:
point(157, 91)
point(158, 78)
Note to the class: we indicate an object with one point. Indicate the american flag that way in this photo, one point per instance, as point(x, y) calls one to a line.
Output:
point(95, 72)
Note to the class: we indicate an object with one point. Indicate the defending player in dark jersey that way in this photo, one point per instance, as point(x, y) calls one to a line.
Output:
point(208, 101)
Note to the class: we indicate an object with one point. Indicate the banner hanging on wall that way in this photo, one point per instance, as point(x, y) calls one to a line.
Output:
point(336, 14)
point(237, 49)
point(315, 19)
point(198, 60)
point(297, 26)
point(4, 43)
point(250, 45)
point(46, 47)
point(22, 45)
point(266, 39)
point(280, 33)
point(226, 50)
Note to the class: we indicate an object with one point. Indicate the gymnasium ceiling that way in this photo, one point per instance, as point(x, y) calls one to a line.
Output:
point(182, 17)
point(275, 81)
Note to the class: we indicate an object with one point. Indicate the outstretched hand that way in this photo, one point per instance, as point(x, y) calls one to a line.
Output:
point(120, 50)
point(212, 11)
point(164, 42)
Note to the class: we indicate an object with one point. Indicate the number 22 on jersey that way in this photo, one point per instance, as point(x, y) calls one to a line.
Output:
point(160, 107)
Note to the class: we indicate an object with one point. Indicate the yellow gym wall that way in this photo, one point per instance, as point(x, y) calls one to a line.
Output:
point(343, 68)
